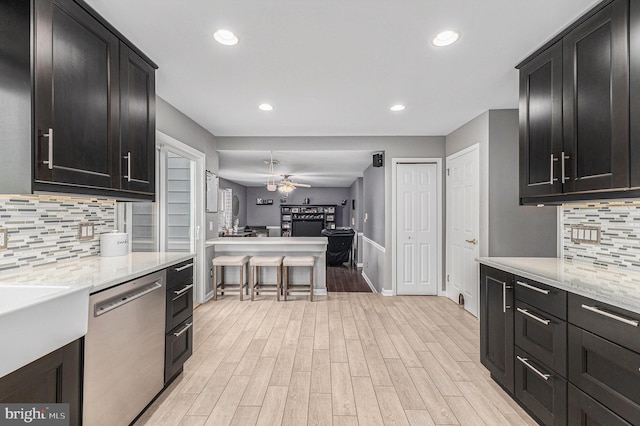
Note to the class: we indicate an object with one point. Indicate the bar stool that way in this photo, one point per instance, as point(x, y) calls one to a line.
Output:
point(257, 287)
point(229, 261)
point(298, 261)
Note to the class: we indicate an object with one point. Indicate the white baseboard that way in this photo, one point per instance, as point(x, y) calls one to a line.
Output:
point(319, 291)
point(386, 292)
point(359, 265)
point(366, 278)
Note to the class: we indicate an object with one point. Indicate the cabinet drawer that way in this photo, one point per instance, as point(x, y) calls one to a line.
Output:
point(584, 410)
point(543, 336)
point(178, 348)
point(180, 274)
point(540, 390)
point(615, 324)
point(542, 296)
point(605, 371)
point(179, 305)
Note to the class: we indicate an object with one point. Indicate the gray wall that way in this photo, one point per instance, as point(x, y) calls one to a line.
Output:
point(394, 147)
point(241, 192)
point(270, 215)
point(514, 230)
point(373, 225)
point(355, 194)
point(506, 228)
point(174, 123)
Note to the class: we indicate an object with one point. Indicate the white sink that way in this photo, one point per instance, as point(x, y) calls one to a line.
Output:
point(38, 319)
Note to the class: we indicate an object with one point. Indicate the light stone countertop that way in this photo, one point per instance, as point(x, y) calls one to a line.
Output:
point(268, 241)
point(96, 272)
point(619, 287)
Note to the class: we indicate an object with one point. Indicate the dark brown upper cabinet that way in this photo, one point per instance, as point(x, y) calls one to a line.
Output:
point(541, 123)
point(137, 122)
point(596, 102)
point(94, 106)
point(76, 97)
point(574, 112)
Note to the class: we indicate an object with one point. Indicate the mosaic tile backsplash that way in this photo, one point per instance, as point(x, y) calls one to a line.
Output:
point(619, 235)
point(43, 229)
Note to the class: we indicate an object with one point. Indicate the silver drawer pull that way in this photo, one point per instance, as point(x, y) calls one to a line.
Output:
point(532, 368)
point(610, 315)
point(531, 287)
point(186, 327)
point(182, 268)
point(179, 293)
point(535, 317)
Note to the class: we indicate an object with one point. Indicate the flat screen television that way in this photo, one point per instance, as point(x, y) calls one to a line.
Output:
point(307, 228)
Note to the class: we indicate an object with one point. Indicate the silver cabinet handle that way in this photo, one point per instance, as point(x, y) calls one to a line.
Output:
point(505, 287)
point(551, 178)
point(535, 317)
point(562, 164)
point(186, 327)
point(49, 136)
point(532, 368)
point(531, 287)
point(128, 158)
point(610, 315)
point(182, 268)
point(181, 292)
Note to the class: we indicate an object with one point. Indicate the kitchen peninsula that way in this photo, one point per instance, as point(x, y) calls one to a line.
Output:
point(280, 246)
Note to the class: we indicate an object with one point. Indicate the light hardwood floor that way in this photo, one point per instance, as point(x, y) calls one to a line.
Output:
point(344, 359)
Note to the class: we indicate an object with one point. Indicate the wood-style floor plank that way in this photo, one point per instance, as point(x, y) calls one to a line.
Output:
point(344, 359)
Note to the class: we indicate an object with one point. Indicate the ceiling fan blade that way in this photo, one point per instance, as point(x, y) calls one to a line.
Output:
point(302, 185)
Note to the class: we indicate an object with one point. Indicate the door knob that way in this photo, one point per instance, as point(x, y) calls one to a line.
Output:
point(474, 241)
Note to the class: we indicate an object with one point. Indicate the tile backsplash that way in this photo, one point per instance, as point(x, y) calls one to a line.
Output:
point(43, 229)
point(619, 235)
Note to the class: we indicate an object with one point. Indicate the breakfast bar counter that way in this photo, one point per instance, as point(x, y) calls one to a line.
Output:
point(280, 246)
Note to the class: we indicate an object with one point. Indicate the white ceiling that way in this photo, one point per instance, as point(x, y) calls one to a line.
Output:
point(318, 168)
point(334, 67)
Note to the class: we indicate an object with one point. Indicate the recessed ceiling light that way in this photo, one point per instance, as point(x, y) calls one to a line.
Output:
point(225, 37)
point(445, 38)
point(266, 107)
point(398, 107)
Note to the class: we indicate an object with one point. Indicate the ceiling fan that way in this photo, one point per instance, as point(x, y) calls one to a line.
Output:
point(287, 185)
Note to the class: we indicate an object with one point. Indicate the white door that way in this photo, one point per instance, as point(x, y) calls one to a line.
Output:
point(463, 218)
point(416, 236)
point(181, 200)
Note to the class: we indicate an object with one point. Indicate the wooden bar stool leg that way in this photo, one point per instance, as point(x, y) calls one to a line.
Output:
point(241, 281)
point(311, 284)
point(222, 281)
point(252, 282)
point(286, 282)
point(247, 288)
point(278, 283)
point(215, 283)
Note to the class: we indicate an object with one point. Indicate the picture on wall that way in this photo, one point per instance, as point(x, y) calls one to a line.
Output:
point(264, 201)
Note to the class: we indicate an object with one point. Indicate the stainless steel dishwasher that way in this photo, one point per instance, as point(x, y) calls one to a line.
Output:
point(124, 350)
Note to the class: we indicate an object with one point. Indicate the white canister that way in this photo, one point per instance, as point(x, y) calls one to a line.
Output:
point(114, 244)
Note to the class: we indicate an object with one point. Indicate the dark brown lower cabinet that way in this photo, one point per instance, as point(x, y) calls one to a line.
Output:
point(496, 324)
point(542, 391)
point(54, 378)
point(178, 348)
point(586, 411)
point(605, 371)
point(542, 335)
